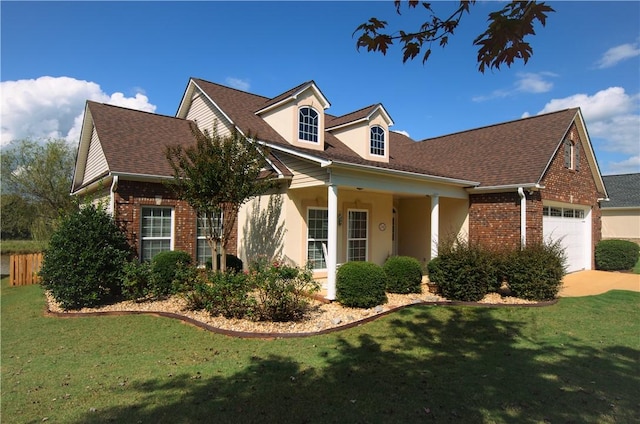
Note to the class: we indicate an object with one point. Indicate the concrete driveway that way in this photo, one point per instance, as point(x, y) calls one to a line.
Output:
point(586, 283)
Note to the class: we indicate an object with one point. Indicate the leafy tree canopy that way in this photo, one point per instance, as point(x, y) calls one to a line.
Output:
point(40, 173)
point(503, 42)
point(218, 175)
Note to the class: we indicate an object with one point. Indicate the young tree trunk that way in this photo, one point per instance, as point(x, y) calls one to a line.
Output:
point(214, 253)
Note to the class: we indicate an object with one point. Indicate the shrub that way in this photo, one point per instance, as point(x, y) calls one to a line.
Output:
point(222, 293)
point(166, 268)
point(361, 285)
point(404, 275)
point(282, 291)
point(535, 273)
point(83, 265)
point(463, 272)
point(233, 263)
point(136, 283)
point(616, 255)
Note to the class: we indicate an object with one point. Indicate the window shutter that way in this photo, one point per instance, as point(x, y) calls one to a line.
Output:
point(567, 154)
point(576, 157)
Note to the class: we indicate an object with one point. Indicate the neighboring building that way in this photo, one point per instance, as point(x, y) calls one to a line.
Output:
point(351, 189)
point(621, 214)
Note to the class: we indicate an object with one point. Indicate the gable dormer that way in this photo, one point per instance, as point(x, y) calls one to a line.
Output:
point(298, 115)
point(365, 131)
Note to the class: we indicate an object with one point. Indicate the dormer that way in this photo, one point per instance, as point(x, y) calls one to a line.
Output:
point(298, 115)
point(365, 131)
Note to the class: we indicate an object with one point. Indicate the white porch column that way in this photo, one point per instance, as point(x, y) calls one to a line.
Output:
point(435, 224)
point(332, 242)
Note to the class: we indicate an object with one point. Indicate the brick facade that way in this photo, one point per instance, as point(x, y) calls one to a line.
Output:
point(494, 218)
point(132, 196)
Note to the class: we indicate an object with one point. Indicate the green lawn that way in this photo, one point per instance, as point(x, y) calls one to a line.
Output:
point(576, 361)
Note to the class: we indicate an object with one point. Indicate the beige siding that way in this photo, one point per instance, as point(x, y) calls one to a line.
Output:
point(205, 114)
point(305, 173)
point(96, 161)
point(621, 224)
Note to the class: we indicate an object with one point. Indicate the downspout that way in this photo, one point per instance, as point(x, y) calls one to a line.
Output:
point(523, 218)
point(112, 196)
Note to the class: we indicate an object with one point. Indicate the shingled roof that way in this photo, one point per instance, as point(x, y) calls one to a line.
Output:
point(134, 141)
point(623, 190)
point(514, 152)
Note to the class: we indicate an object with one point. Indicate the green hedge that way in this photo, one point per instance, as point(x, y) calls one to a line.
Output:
point(404, 275)
point(83, 265)
point(616, 255)
point(463, 272)
point(361, 285)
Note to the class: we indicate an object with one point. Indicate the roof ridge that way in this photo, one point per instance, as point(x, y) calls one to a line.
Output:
point(231, 88)
point(136, 110)
point(500, 123)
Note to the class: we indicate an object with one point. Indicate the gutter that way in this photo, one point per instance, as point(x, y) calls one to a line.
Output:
point(508, 187)
point(523, 218)
point(112, 195)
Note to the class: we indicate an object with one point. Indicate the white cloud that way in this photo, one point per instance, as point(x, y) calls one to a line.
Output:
point(617, 54)
point(53, 107)
point(527, 82)
point(610, 114)
point(627, 166)
point(403, 132)
point(238, 83)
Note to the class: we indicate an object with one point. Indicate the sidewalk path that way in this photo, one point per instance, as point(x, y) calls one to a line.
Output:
point(586, 283)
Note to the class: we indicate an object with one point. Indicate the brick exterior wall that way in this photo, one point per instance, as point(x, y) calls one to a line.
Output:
point(494, 218)
point(132, 196)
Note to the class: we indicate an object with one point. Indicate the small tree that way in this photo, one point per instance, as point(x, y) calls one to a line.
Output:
point(216, 176)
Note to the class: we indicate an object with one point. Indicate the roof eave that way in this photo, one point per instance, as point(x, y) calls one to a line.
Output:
point(505, 188)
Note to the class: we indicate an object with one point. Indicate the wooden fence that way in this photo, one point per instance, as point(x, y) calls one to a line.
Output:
point(24, 269)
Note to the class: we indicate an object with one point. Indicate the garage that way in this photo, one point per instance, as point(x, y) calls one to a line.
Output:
point(572, 226)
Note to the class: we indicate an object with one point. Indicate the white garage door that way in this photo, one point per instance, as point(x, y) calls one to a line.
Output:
point(572, 226)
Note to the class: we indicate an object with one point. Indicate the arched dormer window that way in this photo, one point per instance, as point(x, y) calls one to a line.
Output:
point(308, 124)
point(571, 155)
point(376, 146)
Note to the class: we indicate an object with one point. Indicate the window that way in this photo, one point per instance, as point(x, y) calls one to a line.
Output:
point(571, 155)
point(563, 212)
point(377, 141)
point(308, 125)
point(156, 232)
point(318, 233)
point(357, 235)
point(203, 251)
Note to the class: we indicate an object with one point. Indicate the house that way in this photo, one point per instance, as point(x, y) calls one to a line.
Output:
point(351, 189)
point(621, 214)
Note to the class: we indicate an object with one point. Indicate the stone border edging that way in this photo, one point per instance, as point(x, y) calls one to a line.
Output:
point(253, 335)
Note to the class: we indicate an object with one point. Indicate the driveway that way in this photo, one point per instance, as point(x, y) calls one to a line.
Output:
point(586, 283)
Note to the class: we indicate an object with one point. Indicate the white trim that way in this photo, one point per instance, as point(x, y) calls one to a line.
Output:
point(366, 239)
point(152, 238)
point(507, 187)
point(322, 162)
point(332, 212)
point(435, 225)
point(294, 96)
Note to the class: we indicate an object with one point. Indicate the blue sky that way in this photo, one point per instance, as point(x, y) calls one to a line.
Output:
point(56, 55)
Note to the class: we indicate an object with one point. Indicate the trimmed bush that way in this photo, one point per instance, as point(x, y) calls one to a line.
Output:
point(282, 291)
point(463, 272)
point(535, 273)
point(166, 268)
point(223, 293)
point(404, 275)
point(136, 282)
point(83, 265)
point(616, 255)
point(233, 263)
point(361, 285)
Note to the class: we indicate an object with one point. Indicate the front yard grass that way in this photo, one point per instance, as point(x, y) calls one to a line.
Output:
point(576, 361)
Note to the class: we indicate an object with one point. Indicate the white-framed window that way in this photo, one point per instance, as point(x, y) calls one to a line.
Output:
point(357, 235)
point(203, 251)
point(571, 155)
point(563, 212)
point(376, 146)
point(317, 235)
point(308, 123)
point(156, 231)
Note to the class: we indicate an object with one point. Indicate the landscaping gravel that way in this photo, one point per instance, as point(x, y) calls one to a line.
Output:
point(322, 316)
